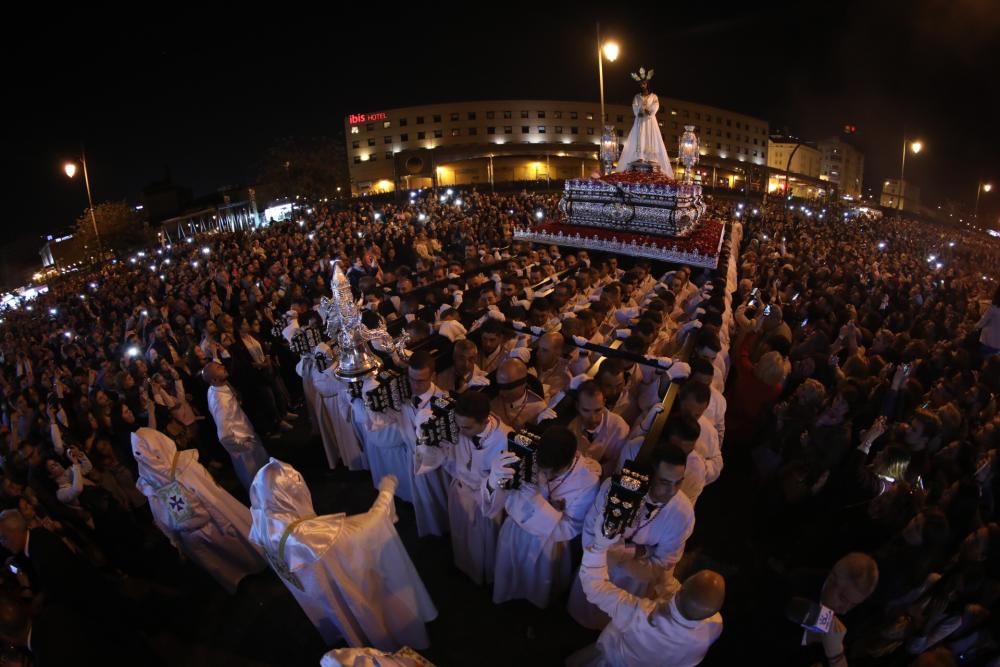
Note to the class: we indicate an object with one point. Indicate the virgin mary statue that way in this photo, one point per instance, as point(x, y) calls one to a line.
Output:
point(645, 143)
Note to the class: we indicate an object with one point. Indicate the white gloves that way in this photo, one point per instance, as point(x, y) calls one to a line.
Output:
point(522, 353)
point(623, 333)
point(518, 324)
point(662, 362)
point(602, 543)
point(423, 415)
point(538, 331)
point(580, 341)
point(524, 303)
point(691, 326)
point(547, 413)
point(370, 384)
point(478, 381)
point(388, 484)
point(679, 370)
point(623, 315)
point(494, 313)
point(500, 471)
point(577, 380)
point(650, 417)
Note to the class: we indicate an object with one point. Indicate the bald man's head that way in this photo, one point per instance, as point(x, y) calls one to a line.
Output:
point(215, 374)
point(511, 378)
point(701, 595)
point(851, 580)
point(550, 347)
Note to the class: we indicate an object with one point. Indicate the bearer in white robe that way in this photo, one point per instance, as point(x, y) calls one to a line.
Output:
point(672, 632)
point(551, 367)
point(351, 575)
point(515, 404)
point(199, 517)
point(383, 444)
point(233, 427)
point(534, 560)
point(703, 371)
point(693, 400)
point(463, 375)
point(304, 369)
point(336, 427)
point(681, 431)
point(482, 438)
point(600, 433)
point(430, 490)
point(643, 562)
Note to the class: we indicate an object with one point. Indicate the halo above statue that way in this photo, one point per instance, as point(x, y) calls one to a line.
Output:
point(643, 75)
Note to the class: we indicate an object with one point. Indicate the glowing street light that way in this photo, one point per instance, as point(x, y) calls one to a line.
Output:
point(70, 170)
point(610, 50)
point(983, 187)
point(915, 147)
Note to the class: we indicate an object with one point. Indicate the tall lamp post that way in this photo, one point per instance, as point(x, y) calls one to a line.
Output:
point(70, 169)
point(982, 187)
point(607, 50)
point(915, 147)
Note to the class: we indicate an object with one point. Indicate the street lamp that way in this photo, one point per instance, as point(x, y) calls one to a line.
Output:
point(916, 147)
point(70, 169)
point(982, 187)
point(607, 50)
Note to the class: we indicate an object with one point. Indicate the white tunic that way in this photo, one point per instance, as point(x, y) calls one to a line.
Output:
point(236, 433)
point(640, 634)
point(199, 517)
point(708, 446)
point(336, 425)
point(662, 531)
point(645, 141)
point(304, 369)
point(385, 449)
point(473, 531)
point(351, 575)
point(604, 444)
point(533, 555)
point(716, 413)
point(430, 490)
point(519, 413)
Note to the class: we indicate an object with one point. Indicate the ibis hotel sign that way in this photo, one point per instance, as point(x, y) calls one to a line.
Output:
point(358, 118)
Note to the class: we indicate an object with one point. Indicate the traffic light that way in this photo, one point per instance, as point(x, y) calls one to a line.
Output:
point(850, 129)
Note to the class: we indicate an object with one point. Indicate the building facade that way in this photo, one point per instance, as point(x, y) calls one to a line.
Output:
point(900, 195)
point(479, 143)
point(842, 165)
point(803, 170)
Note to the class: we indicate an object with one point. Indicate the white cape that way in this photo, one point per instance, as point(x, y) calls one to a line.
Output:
point(212, 530)
point(351, 575)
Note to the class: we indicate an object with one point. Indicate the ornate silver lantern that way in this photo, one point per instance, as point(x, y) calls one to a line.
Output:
point(688, 152)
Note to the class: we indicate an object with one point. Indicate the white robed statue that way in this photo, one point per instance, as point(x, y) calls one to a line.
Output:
point(350, 574)
point(645, 142)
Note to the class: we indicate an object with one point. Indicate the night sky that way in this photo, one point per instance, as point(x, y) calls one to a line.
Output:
point(205, 96)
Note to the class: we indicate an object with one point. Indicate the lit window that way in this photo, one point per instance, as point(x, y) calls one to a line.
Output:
point(354, 129)
point(386, 124)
